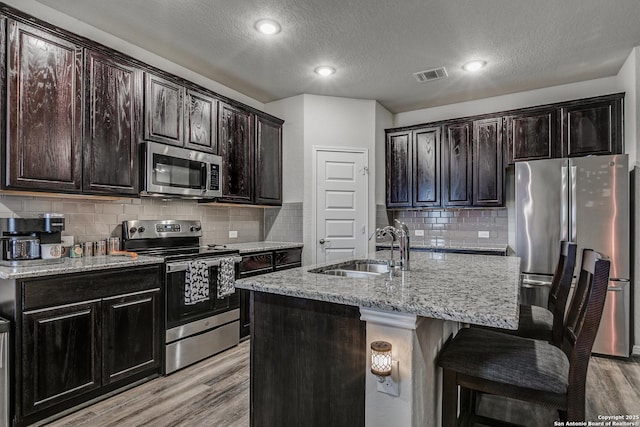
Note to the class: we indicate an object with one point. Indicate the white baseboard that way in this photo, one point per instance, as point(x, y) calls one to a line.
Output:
point(635, 351)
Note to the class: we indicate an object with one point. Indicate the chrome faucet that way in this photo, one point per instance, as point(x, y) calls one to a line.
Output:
point(400, 233)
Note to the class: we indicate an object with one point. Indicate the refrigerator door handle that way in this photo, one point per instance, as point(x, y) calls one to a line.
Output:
point(573, 202)
point(564, 210)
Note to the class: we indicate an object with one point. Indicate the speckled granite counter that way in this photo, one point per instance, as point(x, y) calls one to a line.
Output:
point(76, 265)
point(246, 248)
point(466, 248)
point(478, 289)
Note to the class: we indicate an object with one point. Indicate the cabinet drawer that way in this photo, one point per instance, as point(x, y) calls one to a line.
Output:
point(256, 264)
point(288, 258)
point(67, 289)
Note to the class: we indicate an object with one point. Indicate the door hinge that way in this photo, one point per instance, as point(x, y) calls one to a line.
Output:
point(365, 170)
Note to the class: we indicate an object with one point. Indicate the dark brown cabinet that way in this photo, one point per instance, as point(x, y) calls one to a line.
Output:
point(268, 175)
point(236, 146)
point(593, 127)
point(488, 166)
point(398, 169)
point(457, 165)
point(201, 118)
point(131, 337)
point(82, 335)
point(426, 167)
point(44, 115)
point(113, 94)
point(163, 110)
point(262, 263)
point(61, 356)
point(533, 135)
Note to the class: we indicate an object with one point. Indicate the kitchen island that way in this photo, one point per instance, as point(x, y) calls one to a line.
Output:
point(311, 333)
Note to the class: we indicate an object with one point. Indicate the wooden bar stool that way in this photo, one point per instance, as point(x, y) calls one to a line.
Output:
point(526, 369)
point(546, 324)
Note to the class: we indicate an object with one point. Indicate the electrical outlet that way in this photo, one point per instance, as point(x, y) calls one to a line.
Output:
point(390, 384)
point(483, 234)
point(419, 232)
point(233, 234)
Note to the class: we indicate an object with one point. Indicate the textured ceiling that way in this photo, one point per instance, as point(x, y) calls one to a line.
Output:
point(376, 45)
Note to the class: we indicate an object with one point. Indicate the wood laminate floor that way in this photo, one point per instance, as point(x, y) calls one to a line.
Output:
point(215, 393)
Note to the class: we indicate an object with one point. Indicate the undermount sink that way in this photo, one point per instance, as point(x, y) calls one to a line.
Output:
point(356, 269)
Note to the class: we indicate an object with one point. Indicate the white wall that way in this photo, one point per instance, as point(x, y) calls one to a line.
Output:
point(291, 110)
point(336, 122)
point(78, 27)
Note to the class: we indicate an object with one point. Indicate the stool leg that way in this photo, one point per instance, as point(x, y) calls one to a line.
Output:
point(449, 399)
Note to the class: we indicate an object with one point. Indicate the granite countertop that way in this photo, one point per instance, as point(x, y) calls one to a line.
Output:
point(453, 246)
point(478, 289)
point(76, 265)
point(246, 248)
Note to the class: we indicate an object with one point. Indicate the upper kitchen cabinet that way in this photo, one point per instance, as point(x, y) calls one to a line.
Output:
point(268, 176)
point(593, 126)
point(488, 166)
point(533, 134)
point(398, 169)
point(457, 165)
point(113, 94)
point(44, 111)
point(163, 110)
point(201, 116)
point(426, 167)
point(236, 146)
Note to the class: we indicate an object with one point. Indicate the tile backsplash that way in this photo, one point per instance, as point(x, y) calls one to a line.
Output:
point(450, 226)
point(89, 220)
point(284, 224)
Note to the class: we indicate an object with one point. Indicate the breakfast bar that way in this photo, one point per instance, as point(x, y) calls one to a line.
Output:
point(311, 332)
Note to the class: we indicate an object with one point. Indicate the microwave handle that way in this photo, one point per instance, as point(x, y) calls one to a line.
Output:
point(203, 176)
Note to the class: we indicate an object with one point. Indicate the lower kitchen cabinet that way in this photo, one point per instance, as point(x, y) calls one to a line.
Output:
point(79, 336)
point(258, 263)
point(60, 354)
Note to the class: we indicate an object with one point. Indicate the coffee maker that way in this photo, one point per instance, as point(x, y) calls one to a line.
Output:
point(21, 237)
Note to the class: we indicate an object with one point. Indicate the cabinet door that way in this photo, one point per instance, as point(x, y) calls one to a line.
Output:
point(201, 117)
point(533, 135)
point(594, 127)
point(131, 335)
point(426, 166)
point(245, 313)
point(44, 94)
point(488, 167)
point(236, 146)
point(456, 170)
point(60, 354)
point(113, 104)
point(268, 162)
point(163, 110)
point(398, 169)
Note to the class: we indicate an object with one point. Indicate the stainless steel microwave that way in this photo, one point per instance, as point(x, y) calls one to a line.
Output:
point(179, 172)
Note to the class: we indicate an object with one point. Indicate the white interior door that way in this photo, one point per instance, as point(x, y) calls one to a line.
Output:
point(341, 204)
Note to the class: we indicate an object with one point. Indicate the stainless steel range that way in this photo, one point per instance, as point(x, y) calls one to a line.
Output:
point(196, 328)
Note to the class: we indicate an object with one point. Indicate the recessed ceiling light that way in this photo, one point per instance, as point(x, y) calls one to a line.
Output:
point(325, 70)
point(474, 65)
point(267, 26)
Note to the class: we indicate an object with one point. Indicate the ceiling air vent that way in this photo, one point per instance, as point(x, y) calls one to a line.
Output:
point(429, 75)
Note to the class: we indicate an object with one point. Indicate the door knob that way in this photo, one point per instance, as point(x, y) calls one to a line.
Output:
point(323, 241)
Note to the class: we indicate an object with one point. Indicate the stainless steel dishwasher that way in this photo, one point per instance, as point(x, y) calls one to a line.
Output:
point(4, 372)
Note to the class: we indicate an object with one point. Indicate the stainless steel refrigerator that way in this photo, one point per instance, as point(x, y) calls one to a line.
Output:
point(584, 200)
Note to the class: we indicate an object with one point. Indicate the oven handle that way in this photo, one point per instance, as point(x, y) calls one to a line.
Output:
point(182, 266)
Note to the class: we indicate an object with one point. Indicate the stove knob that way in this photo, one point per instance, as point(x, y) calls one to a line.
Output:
point(195, 228)
point(132, 230)
point(141, 229)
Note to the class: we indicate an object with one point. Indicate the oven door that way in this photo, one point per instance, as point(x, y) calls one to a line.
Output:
point(181, 172)
point(178, 313)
